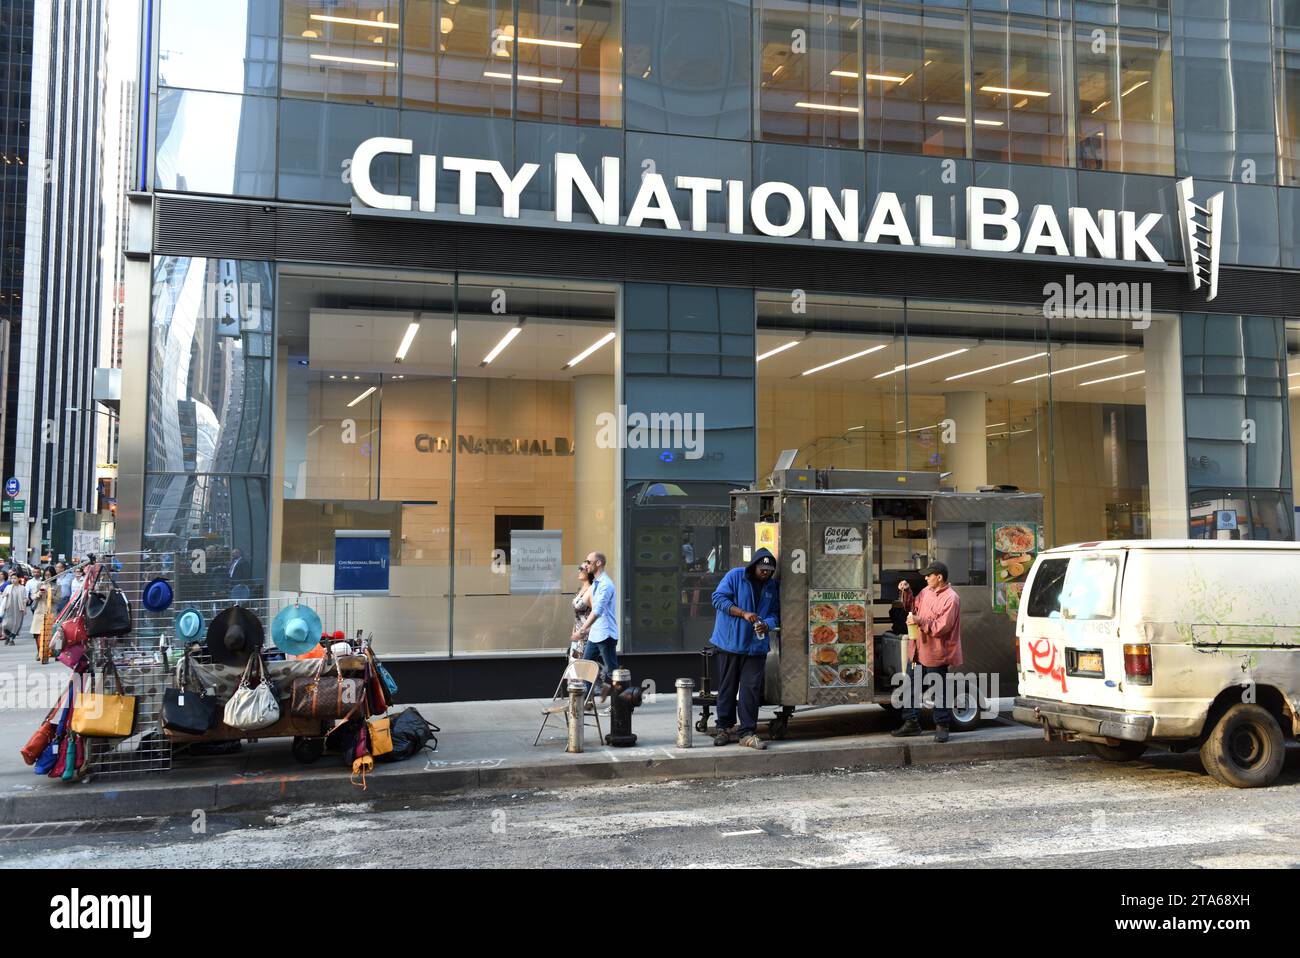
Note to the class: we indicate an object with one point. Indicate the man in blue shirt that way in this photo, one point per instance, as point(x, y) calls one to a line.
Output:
point(601, 627)
point(748, 600)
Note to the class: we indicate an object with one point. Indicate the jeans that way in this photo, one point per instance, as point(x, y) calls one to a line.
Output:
point(740, 682)
point(916, 685)
point(606, 653)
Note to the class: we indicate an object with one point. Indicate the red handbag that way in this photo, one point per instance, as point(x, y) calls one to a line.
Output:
point(39, 742)
point(74, 631)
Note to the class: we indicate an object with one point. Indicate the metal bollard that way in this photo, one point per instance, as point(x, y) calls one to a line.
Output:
point(576, 721)
point(685, 688)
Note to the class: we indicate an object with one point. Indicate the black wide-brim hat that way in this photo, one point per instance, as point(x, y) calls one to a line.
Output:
point(234, 635)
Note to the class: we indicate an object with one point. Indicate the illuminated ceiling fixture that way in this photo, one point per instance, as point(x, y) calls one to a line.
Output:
point(777, 72)
point(1071, 369)
point(506, 340)
point(607, 338)
point(358, 60)
point(1103, 103)
point(407, 340)
point(989, 369)
point(446, 24)
point(311, 34)
point(924, 362)
point(539, 42)
point(1014, 91)
point(1135, 86)
point(836, 362)
point(1111, 379)
point(884, 77)
point(362, 396)
point(376, 39)
point(828, 106)
point(352, 21)
point(780, 349)
point(522, 78)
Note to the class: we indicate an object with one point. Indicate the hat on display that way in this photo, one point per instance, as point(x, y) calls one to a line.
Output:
point(189, 625)
point(296, 629)
point(157, 595)
point(234, 635)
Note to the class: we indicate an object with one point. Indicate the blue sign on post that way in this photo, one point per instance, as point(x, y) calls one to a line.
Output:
point(12, 487)
point(361, 560)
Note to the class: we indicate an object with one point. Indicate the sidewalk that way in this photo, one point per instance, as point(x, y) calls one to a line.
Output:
point(481, 745)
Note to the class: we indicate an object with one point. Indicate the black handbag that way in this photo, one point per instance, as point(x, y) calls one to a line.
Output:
point(193, 713)
point(108, 614)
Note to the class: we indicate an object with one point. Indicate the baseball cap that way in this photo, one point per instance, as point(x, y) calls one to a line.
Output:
point(934, 567)
point(766, 562)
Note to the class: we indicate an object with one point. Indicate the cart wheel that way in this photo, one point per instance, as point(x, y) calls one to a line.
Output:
point(701, 726)
point(778, 726)
point(307, 750)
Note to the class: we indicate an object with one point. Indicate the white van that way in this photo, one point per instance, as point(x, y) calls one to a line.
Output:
point(1172, 642)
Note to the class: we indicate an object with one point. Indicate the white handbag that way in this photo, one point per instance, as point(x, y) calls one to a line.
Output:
point(250, 709)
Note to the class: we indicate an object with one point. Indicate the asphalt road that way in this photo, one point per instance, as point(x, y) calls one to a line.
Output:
point(1072, 811)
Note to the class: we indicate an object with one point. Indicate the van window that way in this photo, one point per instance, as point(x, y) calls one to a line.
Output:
point(1045, 597)
point(1089, 588)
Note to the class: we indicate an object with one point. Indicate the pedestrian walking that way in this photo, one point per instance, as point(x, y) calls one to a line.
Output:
point(601, 624)
point(581, 610)
point(41, 600)
point(13, 609)
point(748, 603)
point(937, 613)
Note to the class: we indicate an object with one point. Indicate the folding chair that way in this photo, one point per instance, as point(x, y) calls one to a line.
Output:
point(582, 670)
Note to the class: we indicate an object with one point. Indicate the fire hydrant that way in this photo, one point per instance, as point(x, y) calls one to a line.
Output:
point(624, 699)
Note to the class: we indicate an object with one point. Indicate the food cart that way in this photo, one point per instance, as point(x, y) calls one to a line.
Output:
point(844, 539)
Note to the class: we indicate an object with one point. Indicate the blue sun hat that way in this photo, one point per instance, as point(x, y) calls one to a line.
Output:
point(189, 625)
point(157, 595)
point(296, 630)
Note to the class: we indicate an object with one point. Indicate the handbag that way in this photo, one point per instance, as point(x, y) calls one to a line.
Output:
point(75, 658)
point(74, 630)
point(194, 713)
point(326, 696)
point(381, 735)
point(43, 736)
point(390, 685)
point(51, 754)
point(253, 707)
point(108, 614)
point(104, 715)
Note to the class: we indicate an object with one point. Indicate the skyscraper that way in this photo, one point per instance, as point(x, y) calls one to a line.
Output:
point(50, 442)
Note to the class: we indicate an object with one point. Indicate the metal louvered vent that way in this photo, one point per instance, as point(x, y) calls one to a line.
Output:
point(192, 226)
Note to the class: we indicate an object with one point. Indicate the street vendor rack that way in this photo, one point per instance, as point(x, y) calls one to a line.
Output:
point(844, 539)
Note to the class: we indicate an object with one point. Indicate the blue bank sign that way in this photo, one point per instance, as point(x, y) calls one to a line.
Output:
point(361, 560)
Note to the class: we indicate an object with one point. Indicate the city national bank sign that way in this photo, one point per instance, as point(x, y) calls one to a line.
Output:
point(991, 214)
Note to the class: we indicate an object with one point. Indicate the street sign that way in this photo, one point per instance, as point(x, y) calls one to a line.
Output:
point(12, 486)
point(15, 505)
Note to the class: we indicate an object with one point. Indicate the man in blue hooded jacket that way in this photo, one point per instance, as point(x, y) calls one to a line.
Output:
point(748, 600)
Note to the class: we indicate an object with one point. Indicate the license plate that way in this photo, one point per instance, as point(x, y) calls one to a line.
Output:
point(1089, 662)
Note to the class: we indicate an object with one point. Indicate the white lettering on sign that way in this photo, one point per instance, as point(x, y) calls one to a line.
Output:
point(992, 215)
point(843, 541)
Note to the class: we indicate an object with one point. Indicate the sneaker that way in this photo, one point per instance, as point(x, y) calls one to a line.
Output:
point(941, 733)
point(727, 736)
point(910, 727)
point(753, 741)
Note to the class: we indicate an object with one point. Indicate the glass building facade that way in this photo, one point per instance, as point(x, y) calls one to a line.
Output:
point(451, 387)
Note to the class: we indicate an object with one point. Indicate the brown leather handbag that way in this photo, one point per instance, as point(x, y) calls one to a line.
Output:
point(327, 694)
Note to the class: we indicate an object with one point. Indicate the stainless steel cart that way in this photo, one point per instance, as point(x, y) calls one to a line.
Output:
point(844, 539)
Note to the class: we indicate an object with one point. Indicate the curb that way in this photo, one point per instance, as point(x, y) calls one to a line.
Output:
point(412, 782)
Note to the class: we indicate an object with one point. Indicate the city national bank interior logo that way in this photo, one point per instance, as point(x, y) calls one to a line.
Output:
point(1200, 228)
point(75, 911)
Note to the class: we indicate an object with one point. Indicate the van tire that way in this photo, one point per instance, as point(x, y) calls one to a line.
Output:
point(1245, 749)
point(1123, 752)
point(966, 715)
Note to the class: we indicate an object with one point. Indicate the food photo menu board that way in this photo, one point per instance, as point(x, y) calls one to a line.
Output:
point(1014, 546)
point(837, 639)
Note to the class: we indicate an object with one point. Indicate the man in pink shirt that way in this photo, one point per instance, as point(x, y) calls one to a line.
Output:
point(937, 611)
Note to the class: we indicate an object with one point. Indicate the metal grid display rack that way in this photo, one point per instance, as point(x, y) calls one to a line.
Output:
point(146, 659)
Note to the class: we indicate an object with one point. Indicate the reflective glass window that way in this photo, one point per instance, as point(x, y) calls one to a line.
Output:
point(915, 84)
point(567, 62)
point(345, 52)
point(317, 141)
point(1019, 90)
point(809, 72)
point(687, 67)
point(449, 50)
point(215, 143)
point(1125, 103)
point(1288, 114)
point(225, 47)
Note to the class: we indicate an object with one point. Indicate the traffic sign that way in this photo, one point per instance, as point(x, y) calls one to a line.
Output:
point(12, 486)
